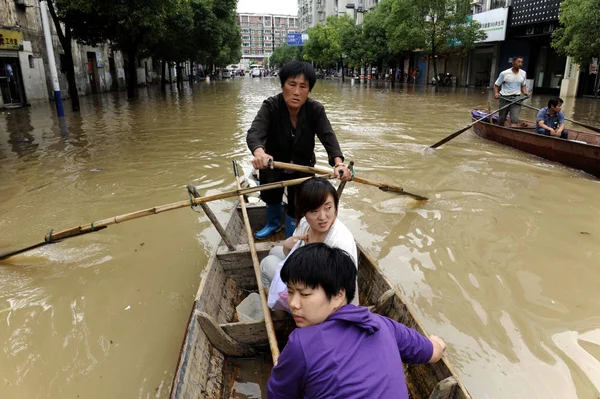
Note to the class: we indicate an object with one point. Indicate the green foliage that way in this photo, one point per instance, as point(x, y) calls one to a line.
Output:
point(175, 30)
point(332, 42)
point(284, 54)
point(578, 34)
point(374, 34)
point(433, 25)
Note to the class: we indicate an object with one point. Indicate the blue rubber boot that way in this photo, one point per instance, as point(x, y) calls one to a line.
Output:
point(273, 222)
point(290, 225)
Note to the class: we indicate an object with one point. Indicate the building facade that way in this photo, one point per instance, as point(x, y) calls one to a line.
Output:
point(24, 71)
point(313, 12)
point(262, 33)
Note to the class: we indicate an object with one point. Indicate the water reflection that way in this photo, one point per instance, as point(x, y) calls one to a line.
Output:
point(502, 261)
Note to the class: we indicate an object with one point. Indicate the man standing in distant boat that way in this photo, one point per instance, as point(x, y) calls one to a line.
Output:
point(284, 130)
point(513, 82)
point(550, 121)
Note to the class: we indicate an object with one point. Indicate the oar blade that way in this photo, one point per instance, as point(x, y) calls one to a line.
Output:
point(401, 191)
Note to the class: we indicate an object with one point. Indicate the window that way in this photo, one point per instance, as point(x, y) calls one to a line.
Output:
point(31, 65)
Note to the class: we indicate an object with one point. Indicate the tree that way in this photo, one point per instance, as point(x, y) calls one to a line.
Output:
point(130, 26)
point(332, 42)
point(217, 37)
point(436, 25)
point(284, 54)
point(577, 35)
point(374, 39)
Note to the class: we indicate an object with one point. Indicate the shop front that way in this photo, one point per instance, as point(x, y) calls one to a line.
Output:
point(11, 78)
point(530, 35)
point(484, 58)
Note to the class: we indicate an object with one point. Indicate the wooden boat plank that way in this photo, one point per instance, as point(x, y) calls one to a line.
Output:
point(220, 339)
point(255, 333)
point(240, 258)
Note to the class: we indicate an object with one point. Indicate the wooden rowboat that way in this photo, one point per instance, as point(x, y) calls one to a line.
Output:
point(580, 151)
point(222, 358)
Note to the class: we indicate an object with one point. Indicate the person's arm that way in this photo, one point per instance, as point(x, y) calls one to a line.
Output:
point(288, 378)
point(497, 85)
point(524, 85)
point(439, 347)
point(257, 136)
point(415, 348)
point(561, 124)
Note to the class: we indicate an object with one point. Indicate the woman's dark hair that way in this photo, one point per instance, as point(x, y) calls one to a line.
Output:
point(554, 101)
point(319, 265)
point(295, 68)
point(313, 193)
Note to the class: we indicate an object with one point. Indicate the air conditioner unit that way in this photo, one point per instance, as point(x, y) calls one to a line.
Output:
point(530, 31)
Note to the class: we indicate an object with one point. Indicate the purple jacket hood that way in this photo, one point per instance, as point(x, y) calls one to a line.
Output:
point(359, 316)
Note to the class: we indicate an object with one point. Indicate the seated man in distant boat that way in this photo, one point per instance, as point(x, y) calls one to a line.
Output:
point(551, 121)
point(341, 350)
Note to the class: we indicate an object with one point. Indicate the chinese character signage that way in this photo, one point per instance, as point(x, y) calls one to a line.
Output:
point(294, 39)
point(11, 40)
point(493, 23)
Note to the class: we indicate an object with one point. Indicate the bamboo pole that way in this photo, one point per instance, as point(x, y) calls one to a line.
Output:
point(101, 224)
point(212, 217)
point(464, 129)
point(381, 186)
point(256, 264)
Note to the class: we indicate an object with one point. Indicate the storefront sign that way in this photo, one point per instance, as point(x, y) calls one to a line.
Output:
point(11, 40)
point(493, 23)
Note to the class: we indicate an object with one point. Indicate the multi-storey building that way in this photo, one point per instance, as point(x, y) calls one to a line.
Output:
point(312, 12)
point(262, 33)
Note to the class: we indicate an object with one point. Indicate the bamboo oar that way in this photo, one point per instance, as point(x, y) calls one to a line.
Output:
point(595, 129)
point(256, 264)
point(381, 186)
point(464, 129)
point(212, 217)
point(101, 224)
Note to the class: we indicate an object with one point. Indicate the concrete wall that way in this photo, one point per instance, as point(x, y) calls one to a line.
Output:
point(34, 79)
point(568, 87)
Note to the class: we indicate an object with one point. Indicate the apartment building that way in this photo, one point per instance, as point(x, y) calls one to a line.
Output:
point(262, 33)
point(312, 12)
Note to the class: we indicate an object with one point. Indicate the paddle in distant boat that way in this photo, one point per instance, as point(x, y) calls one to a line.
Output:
point(464, 129)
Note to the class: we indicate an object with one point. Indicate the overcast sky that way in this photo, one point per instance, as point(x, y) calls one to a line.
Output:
point(288, 7)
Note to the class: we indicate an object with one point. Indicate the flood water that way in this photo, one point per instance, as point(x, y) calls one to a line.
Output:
point(502, 261)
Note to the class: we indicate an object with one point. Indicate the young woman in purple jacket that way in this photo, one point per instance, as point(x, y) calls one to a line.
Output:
point(341, 350)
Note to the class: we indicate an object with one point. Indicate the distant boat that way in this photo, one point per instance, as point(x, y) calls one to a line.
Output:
point(580, 151)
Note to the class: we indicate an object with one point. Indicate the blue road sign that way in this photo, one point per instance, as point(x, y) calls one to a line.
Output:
point(294, 39)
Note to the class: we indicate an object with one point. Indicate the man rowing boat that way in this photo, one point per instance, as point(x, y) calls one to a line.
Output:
point(284, 130)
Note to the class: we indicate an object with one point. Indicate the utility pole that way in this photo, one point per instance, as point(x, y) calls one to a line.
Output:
point(50, 50)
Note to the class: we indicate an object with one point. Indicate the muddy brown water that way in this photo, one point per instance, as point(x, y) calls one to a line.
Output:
point(502, 261)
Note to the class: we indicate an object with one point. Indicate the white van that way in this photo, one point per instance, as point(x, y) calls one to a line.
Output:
point(226, 73)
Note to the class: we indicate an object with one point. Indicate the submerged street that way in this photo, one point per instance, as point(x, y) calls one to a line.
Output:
point(501, 261)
